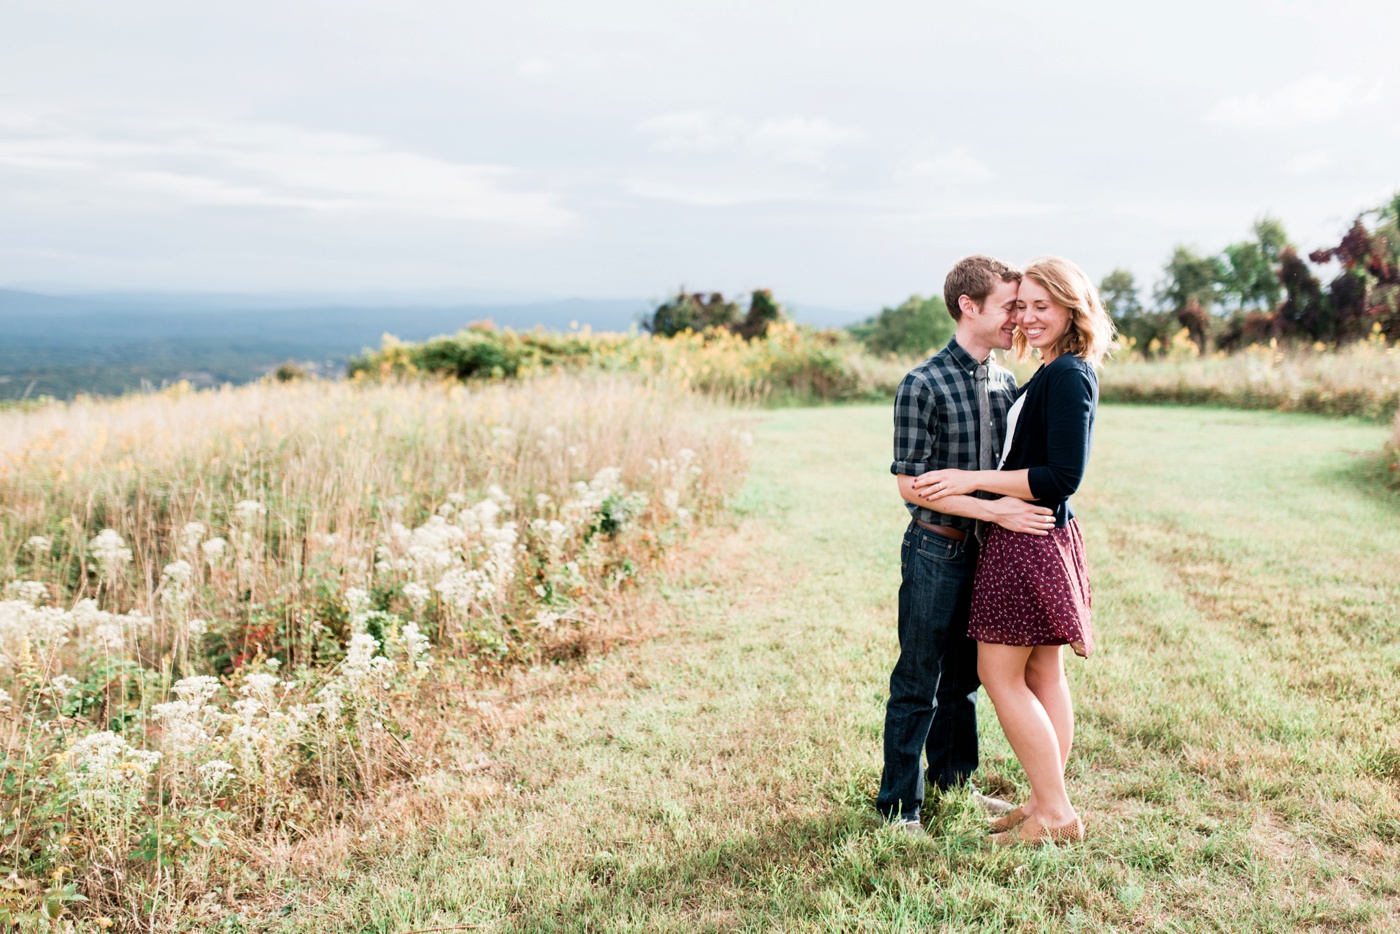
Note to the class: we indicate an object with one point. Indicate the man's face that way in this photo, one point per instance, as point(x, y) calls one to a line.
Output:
point(994, 321)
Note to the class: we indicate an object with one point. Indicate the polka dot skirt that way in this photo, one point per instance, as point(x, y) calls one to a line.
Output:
point(1033, 590)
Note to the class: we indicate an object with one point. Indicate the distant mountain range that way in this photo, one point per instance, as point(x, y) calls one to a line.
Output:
point(62, 345)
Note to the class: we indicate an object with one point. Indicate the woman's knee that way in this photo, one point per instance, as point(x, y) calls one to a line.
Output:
point(1044, 668)
point(1001, 673)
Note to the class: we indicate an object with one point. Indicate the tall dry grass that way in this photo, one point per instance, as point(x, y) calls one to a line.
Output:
point(1360, 379)
point(224, 610)
point(1392, 452)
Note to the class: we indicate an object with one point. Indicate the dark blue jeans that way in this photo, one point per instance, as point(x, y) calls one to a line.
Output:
point(933, 689)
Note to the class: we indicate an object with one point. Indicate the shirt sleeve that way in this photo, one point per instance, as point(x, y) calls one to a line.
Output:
point(1071, 396)
point(915, 421)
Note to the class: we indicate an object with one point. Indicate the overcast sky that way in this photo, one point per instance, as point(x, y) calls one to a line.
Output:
point(841, 154)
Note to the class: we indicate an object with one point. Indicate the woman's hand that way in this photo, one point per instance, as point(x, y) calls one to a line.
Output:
point(950, 482)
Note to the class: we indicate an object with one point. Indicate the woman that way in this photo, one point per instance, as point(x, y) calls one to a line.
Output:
point(1031, 593)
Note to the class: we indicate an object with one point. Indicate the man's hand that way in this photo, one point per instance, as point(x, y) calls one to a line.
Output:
point(1017, 515)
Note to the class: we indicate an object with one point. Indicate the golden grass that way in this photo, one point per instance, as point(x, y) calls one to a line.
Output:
point(1361, 379)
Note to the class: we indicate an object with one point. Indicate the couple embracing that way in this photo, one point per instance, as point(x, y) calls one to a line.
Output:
point(993, 577)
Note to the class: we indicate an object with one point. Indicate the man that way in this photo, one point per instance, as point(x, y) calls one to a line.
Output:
point(950, 411)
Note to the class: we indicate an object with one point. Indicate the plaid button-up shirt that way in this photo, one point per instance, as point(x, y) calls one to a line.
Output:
point(935, 419)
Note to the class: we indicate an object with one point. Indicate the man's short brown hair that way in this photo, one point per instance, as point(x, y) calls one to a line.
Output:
point(975, 277)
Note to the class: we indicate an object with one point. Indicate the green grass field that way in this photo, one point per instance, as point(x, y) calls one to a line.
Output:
point(1237, 763)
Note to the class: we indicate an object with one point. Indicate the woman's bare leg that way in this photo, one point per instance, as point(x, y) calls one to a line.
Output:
point(1045, 676)
point(1028, 727)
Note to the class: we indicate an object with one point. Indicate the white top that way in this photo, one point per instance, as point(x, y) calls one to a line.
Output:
point(1011, 418)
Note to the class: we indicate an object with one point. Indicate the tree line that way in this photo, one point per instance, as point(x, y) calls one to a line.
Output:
point(1251, 292)
point(1261, 289)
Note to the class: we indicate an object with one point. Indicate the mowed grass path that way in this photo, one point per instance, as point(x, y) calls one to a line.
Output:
point(1238, 756)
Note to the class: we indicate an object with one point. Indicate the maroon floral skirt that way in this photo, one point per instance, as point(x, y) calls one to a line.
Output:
point(1033, 590)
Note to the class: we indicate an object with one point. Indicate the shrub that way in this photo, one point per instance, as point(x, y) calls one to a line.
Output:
point(784, 363)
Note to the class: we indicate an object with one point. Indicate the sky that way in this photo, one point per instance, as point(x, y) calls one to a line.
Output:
point(842, 154)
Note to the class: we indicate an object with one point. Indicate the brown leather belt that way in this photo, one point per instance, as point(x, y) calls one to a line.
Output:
point(947, 531)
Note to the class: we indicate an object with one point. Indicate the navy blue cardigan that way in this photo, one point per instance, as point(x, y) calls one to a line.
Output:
point(1055, 431)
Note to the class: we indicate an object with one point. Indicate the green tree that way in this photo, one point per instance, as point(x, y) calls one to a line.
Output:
point(1189, 278)
point(1251, 278)
point(1120, 295)
point(691, 312)
point(1138, 326)
point(763, 312)
point(917, 326)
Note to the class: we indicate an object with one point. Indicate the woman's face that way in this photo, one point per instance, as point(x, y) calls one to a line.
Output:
point(1042, 319)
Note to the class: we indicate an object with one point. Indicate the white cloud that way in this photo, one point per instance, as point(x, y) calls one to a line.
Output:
point(726, 189)
point(952, 168)
point(1308, 163)
point(696, 131)
point(784, 141)
point(801, 141)
point(986, 210)
point(198, 162)
point(534, 68)
point(1315, 99)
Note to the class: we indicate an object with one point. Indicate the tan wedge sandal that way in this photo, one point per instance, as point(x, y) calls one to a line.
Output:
point(1007, 821)
point(1037, 833)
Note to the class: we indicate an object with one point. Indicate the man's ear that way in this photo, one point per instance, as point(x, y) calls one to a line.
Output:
point(967, 306)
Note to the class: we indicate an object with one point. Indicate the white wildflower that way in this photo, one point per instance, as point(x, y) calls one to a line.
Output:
point(175, 586)
point(330, 700)
point(38, 546)
point(111, 553)
point(262, 685)
point(197, 627)
point(417, 594)
point(31, 592)
point(184, 731)
point(109, 635)
point(191, 534)
point(107, 769)
point(213, 550)
point(416, 645)
point(247, 709)
point(214, 773)
point(248, 512)
point(546, 620)
point(360, 660)
point(197, 690)
point(357, 599)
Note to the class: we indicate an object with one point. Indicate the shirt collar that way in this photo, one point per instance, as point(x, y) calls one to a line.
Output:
point(962, 358)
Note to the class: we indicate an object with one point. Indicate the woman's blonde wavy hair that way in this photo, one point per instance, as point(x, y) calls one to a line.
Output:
point(1090, 334)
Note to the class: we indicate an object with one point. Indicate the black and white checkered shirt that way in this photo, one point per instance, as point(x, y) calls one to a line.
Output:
point(935, 419)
